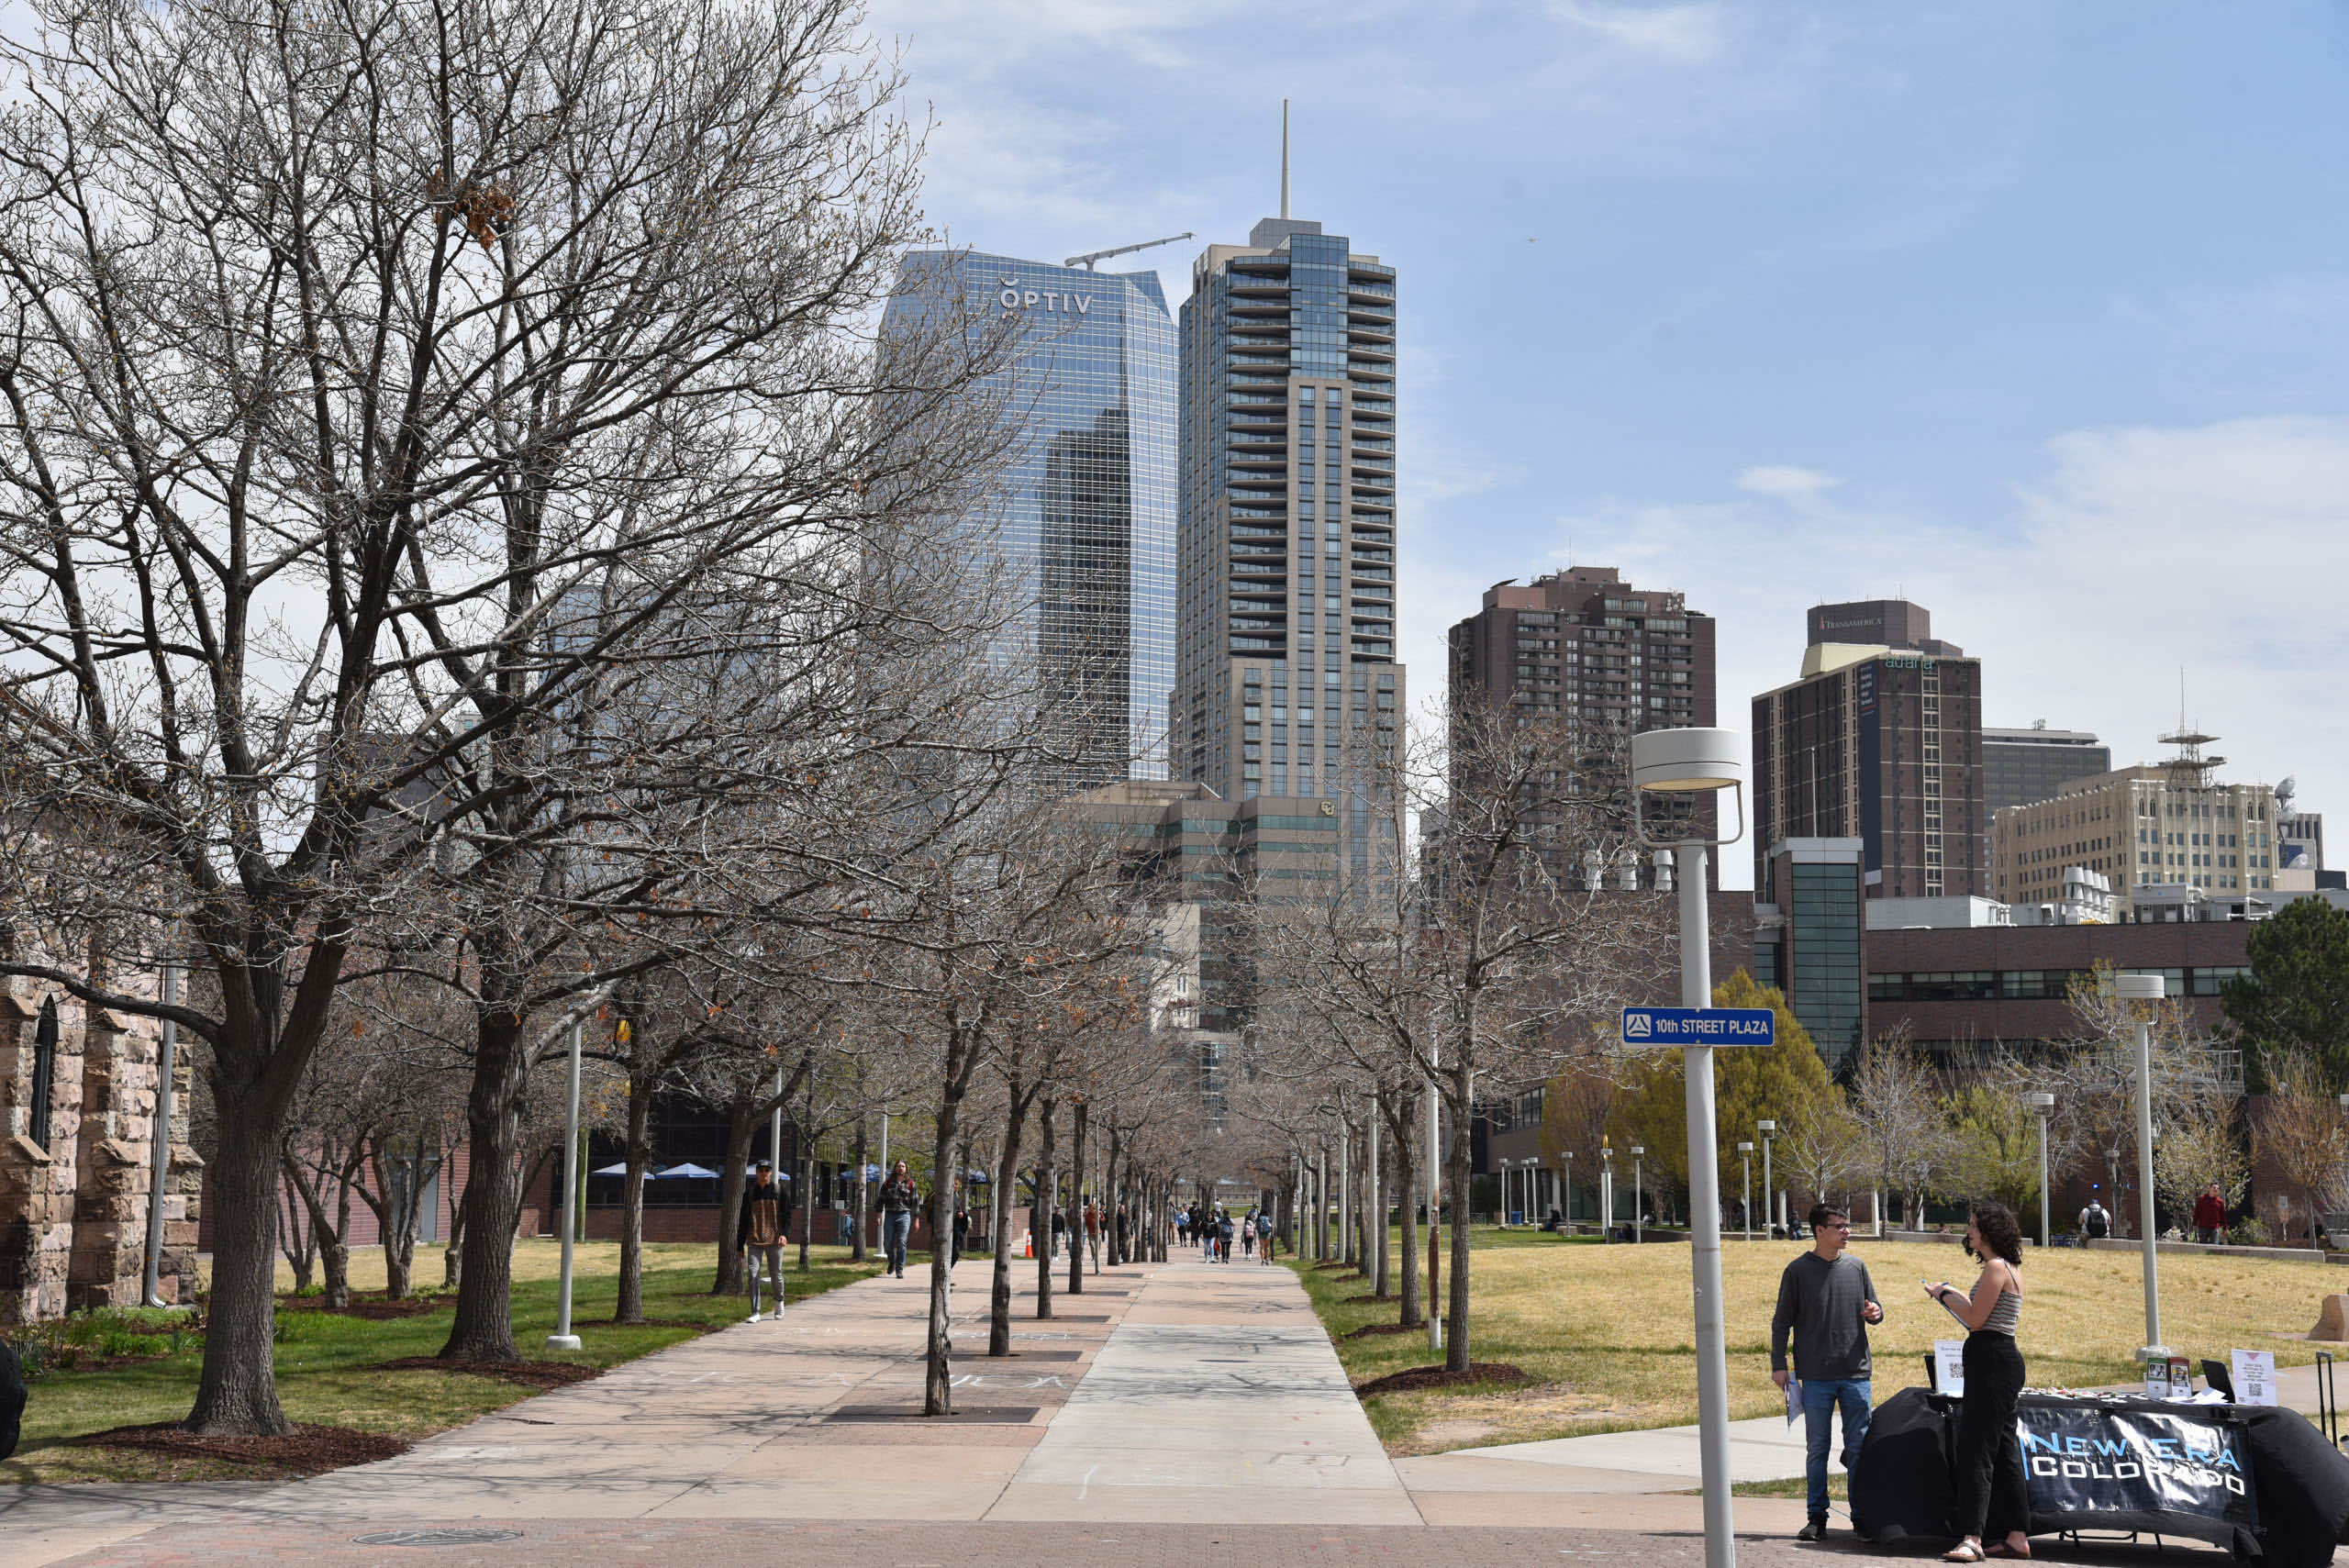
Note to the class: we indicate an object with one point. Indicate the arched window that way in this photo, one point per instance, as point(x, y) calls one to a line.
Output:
point(44, 1069)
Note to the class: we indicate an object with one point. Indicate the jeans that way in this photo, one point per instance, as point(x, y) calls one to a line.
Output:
point(1820, 1396)
point(895, 1228)
point(1992, 1497)
point(773, 1256)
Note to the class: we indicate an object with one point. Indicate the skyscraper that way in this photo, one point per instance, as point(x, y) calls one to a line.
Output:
point(1582, 646)
point(1284, 652)
point(1086, 516)
point(2022, 766)
point(1879, 743)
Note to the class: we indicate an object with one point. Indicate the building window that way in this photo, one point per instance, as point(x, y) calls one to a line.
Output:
point(44, 1070)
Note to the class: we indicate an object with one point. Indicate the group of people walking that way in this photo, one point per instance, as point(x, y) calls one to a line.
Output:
point(1826, 1303)
point(1212, 1228)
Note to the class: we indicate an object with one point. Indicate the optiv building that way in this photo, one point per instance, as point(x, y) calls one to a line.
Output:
point(1086, 518)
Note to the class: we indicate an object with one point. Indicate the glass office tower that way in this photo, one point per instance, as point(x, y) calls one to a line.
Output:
point(1284, 654)
point(1086, 518)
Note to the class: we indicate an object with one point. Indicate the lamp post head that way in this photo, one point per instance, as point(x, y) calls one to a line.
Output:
point(2138, 987)
point(1670, 761)
point(1639, 1148)
point(1766, 1127)
point(1745, 1148)
point(2044, 1103)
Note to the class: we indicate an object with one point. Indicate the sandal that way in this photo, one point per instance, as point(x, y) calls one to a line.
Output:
point(1963, 1552)
point(2003, 1550)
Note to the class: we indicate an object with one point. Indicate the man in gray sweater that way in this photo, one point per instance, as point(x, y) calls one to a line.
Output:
point(1826, 1301)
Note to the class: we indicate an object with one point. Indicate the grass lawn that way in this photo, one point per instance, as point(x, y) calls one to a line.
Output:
point(324, 1359)
point(1606, 1330)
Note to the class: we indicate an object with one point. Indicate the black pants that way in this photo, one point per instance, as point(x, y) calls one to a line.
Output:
point(1993, 1499)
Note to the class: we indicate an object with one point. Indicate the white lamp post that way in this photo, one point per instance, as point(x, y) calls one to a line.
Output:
point(2146, 989)
point(1747, 1150)
point(1567, 1181)
point(1639, 1192)
point(2044, 1106)
point(1606, 1191)
point(1769, 1129)
point(1505, 1164)
point(562, 1338)
point(1689, 763)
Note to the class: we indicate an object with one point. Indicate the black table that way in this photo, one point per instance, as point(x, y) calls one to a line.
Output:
point(2259, 1480)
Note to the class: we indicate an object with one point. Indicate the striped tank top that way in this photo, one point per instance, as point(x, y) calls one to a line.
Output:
point(2004, 1314)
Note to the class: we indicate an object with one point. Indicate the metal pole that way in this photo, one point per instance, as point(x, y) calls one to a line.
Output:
point(1639, 1193)
point(1745, 1152)
point(562, 1338)
point(1570, 1191)
point(1769, 1204)
point(2044, 1237)
point(1705, 1218)
point(1435, 1199)
point(166, 1068)
point(2145, 1186)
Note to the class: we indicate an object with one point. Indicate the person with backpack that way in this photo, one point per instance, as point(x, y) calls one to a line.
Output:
point(1224, 1232)
point(2095, 1223)
point(1248, 1234)
point(759, 1234)
point(899, 1199)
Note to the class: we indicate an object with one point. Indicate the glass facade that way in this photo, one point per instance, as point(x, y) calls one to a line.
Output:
point(1086, 518)
point(1825, 986)
point(1286, 548)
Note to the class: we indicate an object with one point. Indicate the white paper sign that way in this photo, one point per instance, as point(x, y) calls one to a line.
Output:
point(2157, 1377)
point(2255, 1377)
point(1949, 1367)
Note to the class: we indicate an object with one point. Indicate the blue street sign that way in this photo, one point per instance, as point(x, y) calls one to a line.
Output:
point(1700, 1026)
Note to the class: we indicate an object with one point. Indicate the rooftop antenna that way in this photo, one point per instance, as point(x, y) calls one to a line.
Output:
point(2190, 769)
point(1284, 157)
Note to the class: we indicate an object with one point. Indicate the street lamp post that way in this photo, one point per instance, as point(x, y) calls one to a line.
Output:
point(562, 1338)
point(2147, 989)
point(2044, 1106)
point(1567, 1181)
point(1504, 1163)
point(1746, 1151)
point(1639, 1192)
point(1606, 1191)
point(1697, 761)
point(1769, 1129)
point(159, 1182)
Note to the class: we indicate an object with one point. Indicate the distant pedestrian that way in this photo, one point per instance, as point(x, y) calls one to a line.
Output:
point(1826, 1302)
point(2210, 1215)
point(758, 1233)
point(1225, 1232)
point(1182, 1228)
point(2095, 1223)
point(899, 1199)
point(1265, 1232)
point(1093, 1233)
point(1248, 1235)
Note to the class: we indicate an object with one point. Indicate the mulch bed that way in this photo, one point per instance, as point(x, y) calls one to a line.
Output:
point(371, 1309)
point(307, 1450)
point(531, 1374)
point(1371, 1300)
point(1415, 1378)
point(1370, 1330)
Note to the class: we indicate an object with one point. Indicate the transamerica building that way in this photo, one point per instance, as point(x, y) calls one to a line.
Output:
point(1084, 517)
point(1285, 654)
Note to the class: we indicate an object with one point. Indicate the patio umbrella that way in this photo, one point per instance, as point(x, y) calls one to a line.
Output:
point(688, 1171)
point(618, 1170)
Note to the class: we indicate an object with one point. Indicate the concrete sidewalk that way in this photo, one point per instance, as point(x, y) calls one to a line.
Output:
point(1165, 1395)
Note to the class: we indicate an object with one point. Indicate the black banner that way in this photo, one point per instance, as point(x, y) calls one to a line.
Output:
point(2184, 1471)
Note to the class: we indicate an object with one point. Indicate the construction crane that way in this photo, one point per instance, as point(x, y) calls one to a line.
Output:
point(1090, 257)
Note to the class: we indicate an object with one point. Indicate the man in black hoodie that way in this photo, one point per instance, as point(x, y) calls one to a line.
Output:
point(758, 1232)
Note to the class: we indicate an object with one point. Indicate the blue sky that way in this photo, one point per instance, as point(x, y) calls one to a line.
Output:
point(2034, 312)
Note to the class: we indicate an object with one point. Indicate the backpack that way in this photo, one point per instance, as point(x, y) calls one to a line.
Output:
point(2099, 1224)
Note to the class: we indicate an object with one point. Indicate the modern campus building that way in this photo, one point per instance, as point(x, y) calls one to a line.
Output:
point(1879, 741)
point(1284, 652)
point(1086, 519)
point(2142, 828)
point(1582, 646)
point(2023, 766)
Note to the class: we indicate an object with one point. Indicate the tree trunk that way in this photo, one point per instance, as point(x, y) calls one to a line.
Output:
point(484, 1325)
point(298, 1244)
point(1048, 1198)
point(1076, 1235)
point(807, 1180)
point(741, 1129)
point(1458, 1172)
point(639, 1154)
point(236, 1393)
point(999, 1276)
point(938, 1361)
point(1382, 1281)
point(856, 1242)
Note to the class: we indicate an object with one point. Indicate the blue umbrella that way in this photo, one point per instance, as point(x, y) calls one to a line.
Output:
point(688, 1171)
point(618, 1170)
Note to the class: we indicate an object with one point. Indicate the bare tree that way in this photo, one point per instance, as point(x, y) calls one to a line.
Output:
point(2300, 1128)
point(1894, 1102)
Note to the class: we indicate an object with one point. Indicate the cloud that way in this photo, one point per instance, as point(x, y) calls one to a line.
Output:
point(1785, 478)
point(1692, 34)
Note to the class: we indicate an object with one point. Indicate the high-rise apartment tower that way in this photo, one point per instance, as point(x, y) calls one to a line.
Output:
point(1284, 648)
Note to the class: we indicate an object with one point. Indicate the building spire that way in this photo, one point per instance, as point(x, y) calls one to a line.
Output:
point(1284, 157)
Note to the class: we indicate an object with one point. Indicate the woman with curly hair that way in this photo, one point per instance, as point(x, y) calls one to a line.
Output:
point(1993, 1499)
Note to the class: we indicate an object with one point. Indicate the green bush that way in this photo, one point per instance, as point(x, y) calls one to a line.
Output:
point(2250, 1233)
point(106, 1334)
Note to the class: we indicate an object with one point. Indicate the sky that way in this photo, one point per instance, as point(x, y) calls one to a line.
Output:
point(2033, 313)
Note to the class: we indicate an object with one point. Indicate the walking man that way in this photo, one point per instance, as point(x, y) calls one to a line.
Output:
point(1826, 1301)
point(899, 1198)
point(2211, 1216)
point(758, 1233)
